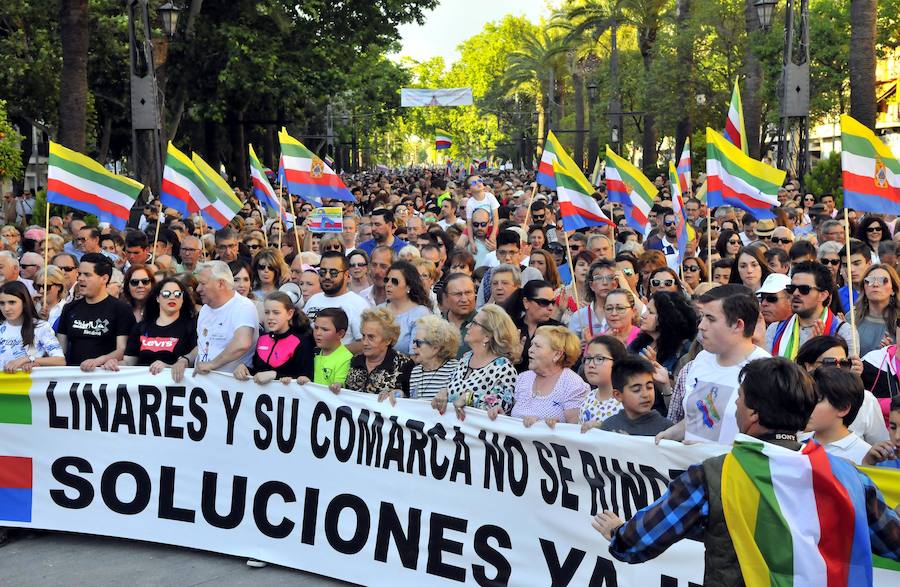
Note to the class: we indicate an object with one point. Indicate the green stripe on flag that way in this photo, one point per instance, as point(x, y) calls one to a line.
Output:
point(564, 180)
point(764, 186)
point(111, 180)
point(862, 147)
point(292, 150)
point(772, 534)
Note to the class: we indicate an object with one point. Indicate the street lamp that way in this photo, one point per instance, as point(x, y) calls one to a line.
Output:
point(764, 11)
point(169, 13)
point(593, 145)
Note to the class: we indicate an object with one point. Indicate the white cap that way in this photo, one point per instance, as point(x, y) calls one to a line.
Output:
point(774, 283)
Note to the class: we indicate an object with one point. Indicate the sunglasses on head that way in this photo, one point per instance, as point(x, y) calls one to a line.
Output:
point(542, 302)
point(802, 289)
point(662, 282)
point(167, 293)
point(137, 282)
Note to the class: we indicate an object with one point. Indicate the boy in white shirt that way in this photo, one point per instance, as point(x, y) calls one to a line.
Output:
point(840, 397)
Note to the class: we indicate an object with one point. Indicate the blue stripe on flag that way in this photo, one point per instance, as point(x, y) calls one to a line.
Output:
point(102, 215)
point(870, 203)
point(15, 504)
point(861, 549)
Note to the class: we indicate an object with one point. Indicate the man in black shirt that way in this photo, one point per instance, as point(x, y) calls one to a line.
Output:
point(94, 329)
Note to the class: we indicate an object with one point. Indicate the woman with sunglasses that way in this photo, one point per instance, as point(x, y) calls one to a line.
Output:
point(872, 230)
point(876, 307)
point(619, 312)
point(729, 244)
point(831, 351)
point(359, 270)
point(332, 242)
point(829, 254)
point(407, 300)
point(269, 272)
point(50, 306)
point(434, 354)
point(138, 282)
point(253, 244)
point(601, 353)
point(665, 279)
point(167, 336)
point(25, 341)
point(693, 273)
point(531, 307)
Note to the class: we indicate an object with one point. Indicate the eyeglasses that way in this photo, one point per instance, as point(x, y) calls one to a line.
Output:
point(191, 250)
point(692, 268)
point(603, 278)
point(419, 342)
point(834, 262)
point(392, 280)
point(595, 359)
point(769, 298)
point(27, 265)
point(67, 269)
point(251, 247)
point(542, 302)
point(358, 265)
point(617, 309)
point(479, 224)
point(781, 241)
point(874, 228)
point(833, 362)
point(137, 282)
point(669, 223)
point(876, 280)
point(734, 242)
point(476, 182)
point(480, 325)
point(662, 282)
point(168, 293)
point(538, 218)
point(329, 272)
point(802, 289)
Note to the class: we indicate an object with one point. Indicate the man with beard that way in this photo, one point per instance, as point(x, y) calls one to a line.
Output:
point(668, 244)
point(382, 224)
point(481, 223)
point(334, 279)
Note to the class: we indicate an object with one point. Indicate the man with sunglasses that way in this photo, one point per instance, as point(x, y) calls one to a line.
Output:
point(774, 302)
point(668, 242)
point(782, 238)
point(481, 199)
point(334, 279)
point(810, 292)
point(479, 242)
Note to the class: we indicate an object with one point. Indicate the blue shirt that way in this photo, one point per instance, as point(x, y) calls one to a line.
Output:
point(369, 245)
point(844, 295)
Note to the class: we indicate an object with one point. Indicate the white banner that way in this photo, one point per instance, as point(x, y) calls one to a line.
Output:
point(410, 97)
point(341, 485)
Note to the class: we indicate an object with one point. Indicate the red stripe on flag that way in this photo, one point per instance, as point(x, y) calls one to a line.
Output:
point(832, 504)
point(15, 473)
point(75, 194)
point(546, 168)
point(715, 183)
point(212, 211)
point(732, 133)
point(326, 179)
point(258, 184)
point(866, 185)
point(570, 209)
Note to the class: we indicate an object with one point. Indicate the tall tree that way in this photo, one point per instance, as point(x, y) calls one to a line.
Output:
point(73, 84)
point(752, 83)
point(863, 14)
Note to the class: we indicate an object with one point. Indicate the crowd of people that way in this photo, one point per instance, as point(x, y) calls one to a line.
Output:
point(467, 293)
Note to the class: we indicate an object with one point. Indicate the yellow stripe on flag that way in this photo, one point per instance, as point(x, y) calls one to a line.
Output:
point(740, 502)
point(18, 383)
point(851, 126)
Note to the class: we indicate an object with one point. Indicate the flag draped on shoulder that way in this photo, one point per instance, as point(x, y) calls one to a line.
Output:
point(262, 189)
point(442, 139)
point(870, 170)
point(308, 176)
point(795, 518)
point(79, 182)
point(545, 171)
point(734, 125)
point(736, 179)
point(681, 223)
point(182, 185)
point(684, 168)
point(223, 204)
point(577, 205)
point(627, 185)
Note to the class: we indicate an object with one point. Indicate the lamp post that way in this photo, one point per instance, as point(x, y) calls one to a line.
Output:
point(592, 138)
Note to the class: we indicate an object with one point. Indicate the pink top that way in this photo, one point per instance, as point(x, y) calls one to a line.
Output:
point(568, 393)
point(631, 335)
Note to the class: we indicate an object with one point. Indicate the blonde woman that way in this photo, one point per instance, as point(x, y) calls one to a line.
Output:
point(379, 368)
point(55, 243)
point(269, 271)
point(50, 307)
point(332, 242)
point(486, 376)
point(434, 348)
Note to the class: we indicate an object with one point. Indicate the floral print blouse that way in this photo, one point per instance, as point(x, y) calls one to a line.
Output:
point(486, 387)
point(593, 409)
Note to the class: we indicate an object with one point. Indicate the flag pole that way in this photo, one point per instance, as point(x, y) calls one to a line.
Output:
point(156, 236)
point(296, 236)
point(571, 268)
point(530, 202)
point(46, 250)
point(281, 214)
point(709, 271)
point(854, 348)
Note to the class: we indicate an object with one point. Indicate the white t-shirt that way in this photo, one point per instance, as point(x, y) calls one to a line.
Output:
point(869, 422)
point(489, 203)
point(11, 346)
point(351, 303)
point(851, 447)
point(710, 398)
point(216, 328)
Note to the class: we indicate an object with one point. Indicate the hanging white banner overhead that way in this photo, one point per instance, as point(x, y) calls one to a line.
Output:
point(435, 97)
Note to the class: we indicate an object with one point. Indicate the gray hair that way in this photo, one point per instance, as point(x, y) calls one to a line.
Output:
point(829, 247)
point(10, 255)
point(218, 270)
point(507, 268)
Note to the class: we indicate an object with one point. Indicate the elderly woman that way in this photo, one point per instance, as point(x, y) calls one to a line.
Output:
point(359, 270)
point(428, 274)
point(434, 353)
point(379, 368)
point(550, 390)
point(51, 306)
point(486, 376)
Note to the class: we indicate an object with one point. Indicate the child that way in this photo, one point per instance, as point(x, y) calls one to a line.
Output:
point(284, 350)
point(841, 395)
point(599, 357)
point(887, 453)
point(332, 363)
point(632, 382)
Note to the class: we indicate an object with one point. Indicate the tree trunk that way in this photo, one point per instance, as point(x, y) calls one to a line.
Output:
point(578, 83)
point(862, 61)
point(685, 49)
point(649, 137)
point(752, 84)
point(105, 136)
point(73, 87)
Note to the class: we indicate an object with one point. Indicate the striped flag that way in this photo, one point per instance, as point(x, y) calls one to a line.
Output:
point(224, 205)
point(79, 182)
point(871, 171)
point(262, 189)
point(183, 184)
point(734, 126)
point(795, 518)
point(545, 169)
point(308, 176)
point(627, 185)
point(16, 488)
point(442, 140)
point(595, 174)
point(577, 205)
point(735, 179)
point(681, 223)
point(684, 168)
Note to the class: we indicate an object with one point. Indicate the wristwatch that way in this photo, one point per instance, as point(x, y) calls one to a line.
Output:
point(32, 359)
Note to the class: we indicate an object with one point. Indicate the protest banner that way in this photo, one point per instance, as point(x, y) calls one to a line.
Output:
point(339, 485)
point(326, 220)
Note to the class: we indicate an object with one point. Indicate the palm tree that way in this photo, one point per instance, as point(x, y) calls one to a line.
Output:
point(73, 86)
point(862, 61)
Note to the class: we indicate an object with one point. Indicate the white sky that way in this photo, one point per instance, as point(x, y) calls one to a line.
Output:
point(454, 21)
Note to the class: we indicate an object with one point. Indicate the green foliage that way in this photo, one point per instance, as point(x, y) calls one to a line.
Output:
point(10, 157)
point(825, 178)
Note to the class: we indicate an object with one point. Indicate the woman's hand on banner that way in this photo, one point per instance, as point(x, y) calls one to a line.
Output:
point(529, 421)
point(241, 373)
point(264, 377)
point(439, 401)
point(391, 396)
point(606, 523)
point(494, 412)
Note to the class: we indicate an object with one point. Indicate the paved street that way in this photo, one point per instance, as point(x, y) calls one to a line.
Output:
point(50, 559)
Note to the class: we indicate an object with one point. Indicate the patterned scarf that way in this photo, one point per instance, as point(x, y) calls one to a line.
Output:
point(787, 336)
